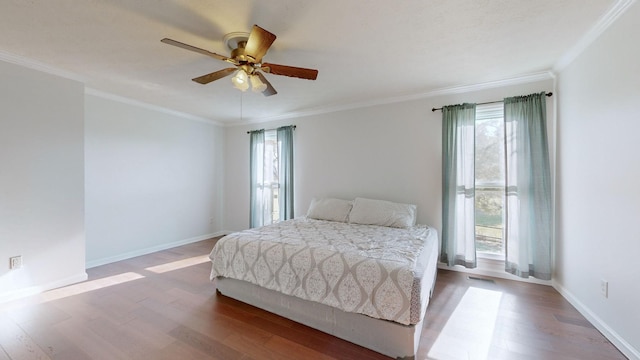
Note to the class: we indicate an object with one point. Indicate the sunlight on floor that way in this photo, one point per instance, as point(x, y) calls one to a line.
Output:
point(159, 269)
point(469, 331)
point(89, 286)
point(70, 290)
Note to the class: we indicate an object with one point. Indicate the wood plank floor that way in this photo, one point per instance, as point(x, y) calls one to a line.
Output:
point(162, 306)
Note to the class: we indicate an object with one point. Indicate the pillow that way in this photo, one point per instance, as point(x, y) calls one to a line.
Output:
point(329, 209)
point(382, 213)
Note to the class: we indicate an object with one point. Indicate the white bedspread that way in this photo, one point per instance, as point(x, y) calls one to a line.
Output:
point(366, 269)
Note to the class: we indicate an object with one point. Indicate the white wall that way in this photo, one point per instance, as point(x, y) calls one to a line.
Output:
point(598, 202)
point(390, 152)
point(153, 180)
point(41, 180)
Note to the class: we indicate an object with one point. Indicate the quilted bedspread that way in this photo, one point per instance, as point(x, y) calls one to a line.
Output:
point(365, 269)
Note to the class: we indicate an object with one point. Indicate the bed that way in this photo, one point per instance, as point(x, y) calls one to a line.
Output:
point(360, 270)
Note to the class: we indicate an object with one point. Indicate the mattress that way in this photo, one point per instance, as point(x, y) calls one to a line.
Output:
point(365, 269)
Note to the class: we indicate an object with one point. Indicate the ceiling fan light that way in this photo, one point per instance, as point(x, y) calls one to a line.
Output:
point(256, 84)
point(240, 80)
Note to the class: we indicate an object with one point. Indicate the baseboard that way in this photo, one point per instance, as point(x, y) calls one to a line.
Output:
point(493, 268)
point(149, 250)
point(34, 290)
point(622, 345)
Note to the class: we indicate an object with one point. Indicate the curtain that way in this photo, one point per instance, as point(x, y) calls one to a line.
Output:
point(285, 156)
point(528, 213)
point(458, 182)
point(257, 175)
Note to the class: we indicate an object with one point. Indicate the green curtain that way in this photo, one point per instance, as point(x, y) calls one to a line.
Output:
point(256, 176)
point(528, 213)
point(458, 185)
point(285, 157)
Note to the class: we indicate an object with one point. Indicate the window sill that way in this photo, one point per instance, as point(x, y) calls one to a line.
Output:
point(492, 265)
point(490, 256)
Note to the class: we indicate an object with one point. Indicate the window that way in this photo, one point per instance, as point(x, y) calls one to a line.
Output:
point(489, 178)
point(271, 176)
point(479, 216)
point(270, 182)
point(265, 185)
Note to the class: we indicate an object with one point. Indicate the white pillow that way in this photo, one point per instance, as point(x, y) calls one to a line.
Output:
point(382, 213)
point(330, 209)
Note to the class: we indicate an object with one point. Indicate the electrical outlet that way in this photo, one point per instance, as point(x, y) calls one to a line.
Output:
point(15, 262)
point(604, 288)
point(211, 221)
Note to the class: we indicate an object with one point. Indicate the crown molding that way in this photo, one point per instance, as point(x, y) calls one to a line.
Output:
point(544, 75)
point(523, 79)
point(39, 66)
point(129, 101)
point(602, 24)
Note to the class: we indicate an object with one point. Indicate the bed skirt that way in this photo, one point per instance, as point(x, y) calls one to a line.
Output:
point(386, 337)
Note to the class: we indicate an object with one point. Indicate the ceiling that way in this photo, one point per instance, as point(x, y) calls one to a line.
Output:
point(365, 51)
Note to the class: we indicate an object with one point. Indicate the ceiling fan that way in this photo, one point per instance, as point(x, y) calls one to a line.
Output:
point(247, 51)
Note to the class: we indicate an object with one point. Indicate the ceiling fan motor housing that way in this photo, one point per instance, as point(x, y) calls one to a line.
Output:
point(239, 53)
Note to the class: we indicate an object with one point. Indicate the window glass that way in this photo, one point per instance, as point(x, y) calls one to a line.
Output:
point(271, 181)
point(489, 178)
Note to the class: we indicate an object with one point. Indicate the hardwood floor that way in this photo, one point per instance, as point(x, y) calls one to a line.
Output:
point(163, 306)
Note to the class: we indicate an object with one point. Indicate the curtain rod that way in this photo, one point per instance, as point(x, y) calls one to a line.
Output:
point(249, 132)
point(489, 102)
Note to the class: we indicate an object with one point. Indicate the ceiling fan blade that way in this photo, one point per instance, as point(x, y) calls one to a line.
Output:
point(269, 90)
point(258, 43)
point(302, 73)
point(198, 50)
point(205, 79)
